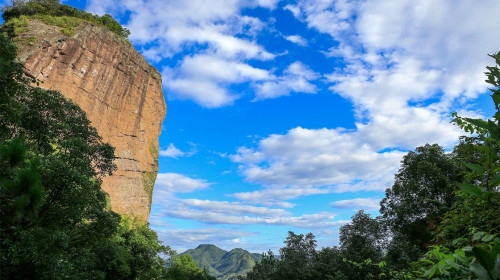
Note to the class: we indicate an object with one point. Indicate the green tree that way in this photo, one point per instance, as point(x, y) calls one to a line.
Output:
point(184, 267)
point(422, 192)
point(264, 269)
point(360, 243)
point(328, 263)
point(295, 261)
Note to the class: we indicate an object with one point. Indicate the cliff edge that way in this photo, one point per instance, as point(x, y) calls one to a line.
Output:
point(120, 92)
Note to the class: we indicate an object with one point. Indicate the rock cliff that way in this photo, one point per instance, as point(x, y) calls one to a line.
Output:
point(120, 92)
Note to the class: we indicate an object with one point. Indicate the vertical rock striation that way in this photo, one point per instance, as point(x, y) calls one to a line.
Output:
point(121, 94)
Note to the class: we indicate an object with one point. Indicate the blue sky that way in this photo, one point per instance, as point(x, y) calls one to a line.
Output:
point(291, 115)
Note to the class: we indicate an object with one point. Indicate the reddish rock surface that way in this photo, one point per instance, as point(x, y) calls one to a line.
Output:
point(121, 94)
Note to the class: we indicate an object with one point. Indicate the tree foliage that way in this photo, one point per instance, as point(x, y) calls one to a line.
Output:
point(183, 267)
point(423, 191)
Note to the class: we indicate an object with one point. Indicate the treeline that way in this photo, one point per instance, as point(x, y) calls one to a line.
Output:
point(55, 221)
point(440, 219)
point(56, 9)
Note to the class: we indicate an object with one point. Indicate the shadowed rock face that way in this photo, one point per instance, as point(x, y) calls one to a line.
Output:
point(121, 94)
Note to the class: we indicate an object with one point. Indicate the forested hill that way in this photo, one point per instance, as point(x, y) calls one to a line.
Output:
point(223, 264)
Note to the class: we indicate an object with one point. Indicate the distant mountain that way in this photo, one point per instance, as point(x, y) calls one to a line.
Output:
point(223, 264)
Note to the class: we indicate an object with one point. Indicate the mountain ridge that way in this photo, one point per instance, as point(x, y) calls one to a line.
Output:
point(225, 265)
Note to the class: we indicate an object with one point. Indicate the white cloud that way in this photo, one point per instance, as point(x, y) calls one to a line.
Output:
point(167, 183)
point(318, 220)
point(415, 52)
point(172, 152)
point(205, 78)
point(369, 204)
point(233, 213)
point(204, 92)
point(271, 4)
point(315, 157)
point(296, 78)
point(297, 39)
point(328, 16)
point(219, 69)
point(233, 208)
point(279, 195)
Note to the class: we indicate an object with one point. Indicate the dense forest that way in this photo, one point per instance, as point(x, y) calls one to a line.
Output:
point(440, 219)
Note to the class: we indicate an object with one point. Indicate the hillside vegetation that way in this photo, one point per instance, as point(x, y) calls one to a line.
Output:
point(55, 13)
point(222, 264)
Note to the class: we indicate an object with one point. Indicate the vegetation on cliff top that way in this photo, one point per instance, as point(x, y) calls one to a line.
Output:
point(55, 13)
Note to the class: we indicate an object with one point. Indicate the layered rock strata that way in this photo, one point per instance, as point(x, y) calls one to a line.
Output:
point(120, 92)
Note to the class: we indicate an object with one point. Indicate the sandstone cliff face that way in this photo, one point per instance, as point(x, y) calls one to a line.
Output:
point(121, 94)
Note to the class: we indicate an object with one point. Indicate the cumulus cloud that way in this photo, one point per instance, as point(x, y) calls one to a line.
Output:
point(297, 39)
point(171, 151)
point(415, 52)
point(318, 220)
point(297, 77)
point(279, 195)
point(315, 157)
point(205, 78)
point(369, 204)
point(233, 208)
point(177, 183)
point(167, 204)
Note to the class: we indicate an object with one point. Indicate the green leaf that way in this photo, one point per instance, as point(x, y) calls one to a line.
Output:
point(484, 258)
point(467, 249)
point(496, 98)
point(478, 122)
point(452, 264)
point(469, 188)
point(494, 251)
point(495, 180)
point(430, 272)
point(488, 238)
point(479, 271)
point(478, 235)
point(460, 258)
point(474, 167)
point(496, 271)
